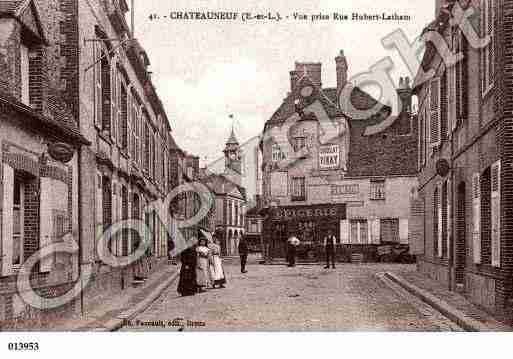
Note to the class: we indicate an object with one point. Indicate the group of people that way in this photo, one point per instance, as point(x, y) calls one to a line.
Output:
point(328, 244)
point(202, 268)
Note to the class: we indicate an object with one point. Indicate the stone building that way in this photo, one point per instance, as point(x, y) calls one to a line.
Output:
point(465, 155)
point(322, 171)
point(40, 146)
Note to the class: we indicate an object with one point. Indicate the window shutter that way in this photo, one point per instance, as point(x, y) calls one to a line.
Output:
point(462, 79)
point(444, 108)
point(344, 232)
point(434, 106)
point(440, 221)
point(130, 139)
point(46, 221)
point(476, 217)
point(99, 212)
point(375, 235)
point(403, 230)
point(449, 216)
point(97, 54)
point(496, 214)
point(484, 32)
point(114, 101)
point(7, 219)
point(491, 45)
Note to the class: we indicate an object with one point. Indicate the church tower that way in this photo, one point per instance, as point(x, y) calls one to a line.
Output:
point(233, 160)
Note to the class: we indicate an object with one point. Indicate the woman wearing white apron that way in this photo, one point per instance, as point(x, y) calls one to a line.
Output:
point(216, 264)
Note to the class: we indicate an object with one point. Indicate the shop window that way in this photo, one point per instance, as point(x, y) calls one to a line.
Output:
point(359, 231)
point(298, 189)
point(377, 190)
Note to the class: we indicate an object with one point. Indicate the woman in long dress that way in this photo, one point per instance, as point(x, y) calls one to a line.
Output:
point(216, 264)
point(187, 284)
point(202, 266)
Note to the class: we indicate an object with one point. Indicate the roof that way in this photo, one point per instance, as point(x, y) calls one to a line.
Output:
point(233, 139)
point(221, 185)
point(60, 124)
point(8, 7)
point(16, 10)
point(329, 98)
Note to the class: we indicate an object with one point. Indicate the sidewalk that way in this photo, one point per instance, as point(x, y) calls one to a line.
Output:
point(452, 305)
point(109, 316)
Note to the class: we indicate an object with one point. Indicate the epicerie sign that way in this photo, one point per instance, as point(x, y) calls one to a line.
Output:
point(308, 212)
point(329, 157)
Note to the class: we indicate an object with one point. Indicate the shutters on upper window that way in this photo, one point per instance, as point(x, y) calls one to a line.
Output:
point(488, 52)
point(435, 118)
point(97, 54)
point(496, 214)
point(476, 217)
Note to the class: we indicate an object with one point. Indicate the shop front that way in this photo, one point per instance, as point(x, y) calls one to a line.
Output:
point(308, 223)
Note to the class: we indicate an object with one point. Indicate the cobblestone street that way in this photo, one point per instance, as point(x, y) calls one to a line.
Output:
point(274, 297)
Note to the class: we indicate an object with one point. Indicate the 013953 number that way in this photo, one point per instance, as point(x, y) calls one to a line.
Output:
point(19, 346)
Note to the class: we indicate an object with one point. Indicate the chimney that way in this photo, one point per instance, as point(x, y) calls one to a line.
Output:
point(311, 69)
point(293, 81)
point(405, 93)
point(341, 63)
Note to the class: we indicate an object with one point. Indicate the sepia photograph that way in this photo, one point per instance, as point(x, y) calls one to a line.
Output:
point(236, 169)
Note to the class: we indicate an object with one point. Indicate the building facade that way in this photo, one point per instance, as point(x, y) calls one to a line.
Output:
point(40, 144)
point(465, 115)
point(85, 143)
point(321, 171)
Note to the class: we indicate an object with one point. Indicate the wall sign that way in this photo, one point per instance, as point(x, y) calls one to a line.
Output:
point(310, 212)
point(329, 157)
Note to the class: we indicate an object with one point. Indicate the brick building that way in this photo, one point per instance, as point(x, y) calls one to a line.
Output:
point(85, 142)
point(130, 162)
point(338, 178)
point(39, 156)
point(465, 154)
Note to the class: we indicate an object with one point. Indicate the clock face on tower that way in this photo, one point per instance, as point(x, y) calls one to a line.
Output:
point(233, 156)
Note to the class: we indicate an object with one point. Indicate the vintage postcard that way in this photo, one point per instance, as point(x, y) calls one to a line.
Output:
point(255, 166)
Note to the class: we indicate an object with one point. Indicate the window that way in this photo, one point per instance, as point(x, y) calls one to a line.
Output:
point(377, 190)
point(18, 221)
point(146, 161)
point(298, 189)
point(123, 118)
point(299, 143)
point(461, 81)
point(24, 74)
point(435, 112)
point(359, 231)
point(488, 52)
point(105, 94)
point(277, 155)
point(389, 230)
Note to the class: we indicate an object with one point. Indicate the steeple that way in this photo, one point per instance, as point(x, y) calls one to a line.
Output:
point(232, 140)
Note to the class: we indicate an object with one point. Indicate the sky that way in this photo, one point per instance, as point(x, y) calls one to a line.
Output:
point(205, 71)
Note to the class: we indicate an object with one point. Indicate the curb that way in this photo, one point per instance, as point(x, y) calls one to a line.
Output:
point(455, 315)
point(116, 323)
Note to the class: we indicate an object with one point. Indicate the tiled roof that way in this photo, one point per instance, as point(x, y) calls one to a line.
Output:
point(60, 123)
point(9, 7)
point(329, 99)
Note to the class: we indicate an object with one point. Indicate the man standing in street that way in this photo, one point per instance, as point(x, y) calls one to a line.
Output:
point(243, 253)
point(329, 249)
point(292, 244)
